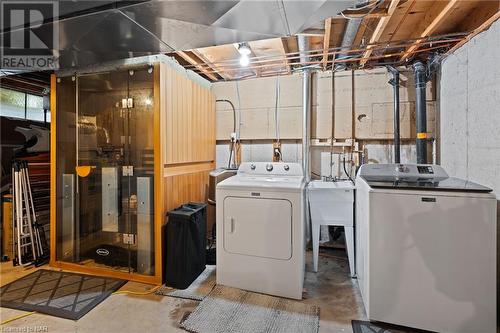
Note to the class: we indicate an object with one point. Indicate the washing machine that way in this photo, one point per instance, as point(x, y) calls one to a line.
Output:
point(426, 248)
point(260, 229)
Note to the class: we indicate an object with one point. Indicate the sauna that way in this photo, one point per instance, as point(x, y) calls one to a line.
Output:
point(130, 141)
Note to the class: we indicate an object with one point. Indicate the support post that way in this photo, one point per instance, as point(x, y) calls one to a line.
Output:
point(421, 112)
point(394, 82)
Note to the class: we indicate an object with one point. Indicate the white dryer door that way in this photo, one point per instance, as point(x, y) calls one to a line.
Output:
point(258, 227)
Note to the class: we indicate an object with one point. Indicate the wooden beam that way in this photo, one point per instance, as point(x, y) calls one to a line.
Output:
point(286, 50)
point(326, 41)
point(478, 15)
point(377, 12)
point(432, 25)
point(379, 30)
point(195, 63)
point(478, 30)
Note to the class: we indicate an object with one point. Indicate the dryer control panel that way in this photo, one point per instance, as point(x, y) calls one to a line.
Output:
point(270, 169)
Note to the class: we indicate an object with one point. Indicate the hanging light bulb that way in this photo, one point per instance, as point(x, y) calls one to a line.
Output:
point(244, 60)
point(244, 51)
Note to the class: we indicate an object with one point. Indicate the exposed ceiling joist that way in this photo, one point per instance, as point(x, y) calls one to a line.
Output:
point(369, 13)
point(193, 61)
point(286, 50)
point(436, 15)
point(379, 30)
point(326, 41)
point(480, 14)
point(478, 30)
point(209, 64)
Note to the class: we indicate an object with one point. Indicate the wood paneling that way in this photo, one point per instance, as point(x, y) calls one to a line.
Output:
point(188, 119)
point(181, 189)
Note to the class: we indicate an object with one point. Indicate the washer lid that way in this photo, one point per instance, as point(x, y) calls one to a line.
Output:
point(448, 184)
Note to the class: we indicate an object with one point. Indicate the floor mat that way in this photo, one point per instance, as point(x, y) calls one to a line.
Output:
point(360, 326)
point(233, 310)
point(60, 294)
point(197, 291)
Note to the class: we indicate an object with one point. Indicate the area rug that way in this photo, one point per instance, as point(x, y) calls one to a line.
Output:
point(361, 326)
point(237, 311)
point(60, 294)
point(197, 291)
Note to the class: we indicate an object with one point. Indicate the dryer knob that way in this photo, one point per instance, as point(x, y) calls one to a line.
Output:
point(269, 167)
point(252, 166)
point(286, 167)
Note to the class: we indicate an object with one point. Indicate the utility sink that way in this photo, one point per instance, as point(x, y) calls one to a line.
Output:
point(320, 184)
point(332, 203)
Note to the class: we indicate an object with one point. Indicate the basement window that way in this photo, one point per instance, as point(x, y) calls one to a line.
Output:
point(21, 105)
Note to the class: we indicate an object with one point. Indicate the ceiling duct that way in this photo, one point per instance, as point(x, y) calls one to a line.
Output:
point(351, 30)
point(99, 31)
point(303, 45)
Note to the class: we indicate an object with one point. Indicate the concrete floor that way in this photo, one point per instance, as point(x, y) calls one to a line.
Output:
point(331, 289)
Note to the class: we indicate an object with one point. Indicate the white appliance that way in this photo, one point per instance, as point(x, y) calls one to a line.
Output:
point(332, 203)
point(426, 248)
point(260, 229)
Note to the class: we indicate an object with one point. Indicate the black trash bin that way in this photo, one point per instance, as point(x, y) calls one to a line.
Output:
point(185, 245)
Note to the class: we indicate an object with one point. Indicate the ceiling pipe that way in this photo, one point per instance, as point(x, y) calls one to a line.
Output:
point(394, 82)
point(421, 111)
point(303, 44)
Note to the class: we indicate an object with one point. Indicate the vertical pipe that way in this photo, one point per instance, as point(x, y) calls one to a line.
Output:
point(303, 44)
point(421, 112)
point(306, 122)
point(397, 131)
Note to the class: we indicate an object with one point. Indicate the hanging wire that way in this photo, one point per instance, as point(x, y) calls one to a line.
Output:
point(239, 110)
point(276, 111)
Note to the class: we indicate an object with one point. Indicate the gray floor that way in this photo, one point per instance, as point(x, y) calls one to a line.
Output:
point(331, 289)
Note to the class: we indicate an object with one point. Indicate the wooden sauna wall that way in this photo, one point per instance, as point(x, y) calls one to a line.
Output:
point(187, 133)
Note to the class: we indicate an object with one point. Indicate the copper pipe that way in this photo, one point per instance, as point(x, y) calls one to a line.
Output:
point(396, 44)
point(398, 54)
point(281, 59)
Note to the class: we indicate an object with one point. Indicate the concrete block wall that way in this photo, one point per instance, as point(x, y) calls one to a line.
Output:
point(372, 104)
point(470, 115)
point(470, 110)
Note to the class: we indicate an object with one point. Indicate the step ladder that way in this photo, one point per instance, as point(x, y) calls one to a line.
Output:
point(28, 246)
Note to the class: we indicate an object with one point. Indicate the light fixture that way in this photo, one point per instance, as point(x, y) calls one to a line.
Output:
point(244, 60)
point(244, 51)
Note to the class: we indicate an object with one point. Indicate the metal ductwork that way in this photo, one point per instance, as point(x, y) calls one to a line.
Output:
point(394, 82)
point(421, 111)
point(351, 30)
point(303, 43)
point(98, 31)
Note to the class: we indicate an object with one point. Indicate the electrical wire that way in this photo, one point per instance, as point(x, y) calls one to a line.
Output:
point(239, 110)
point(17, 317)
point(363, 6)
point(137, 293)
point(231, 148)
point(345, 170)
point(276, 111)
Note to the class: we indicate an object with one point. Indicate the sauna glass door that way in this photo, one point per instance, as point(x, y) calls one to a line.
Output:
point(113, 179)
